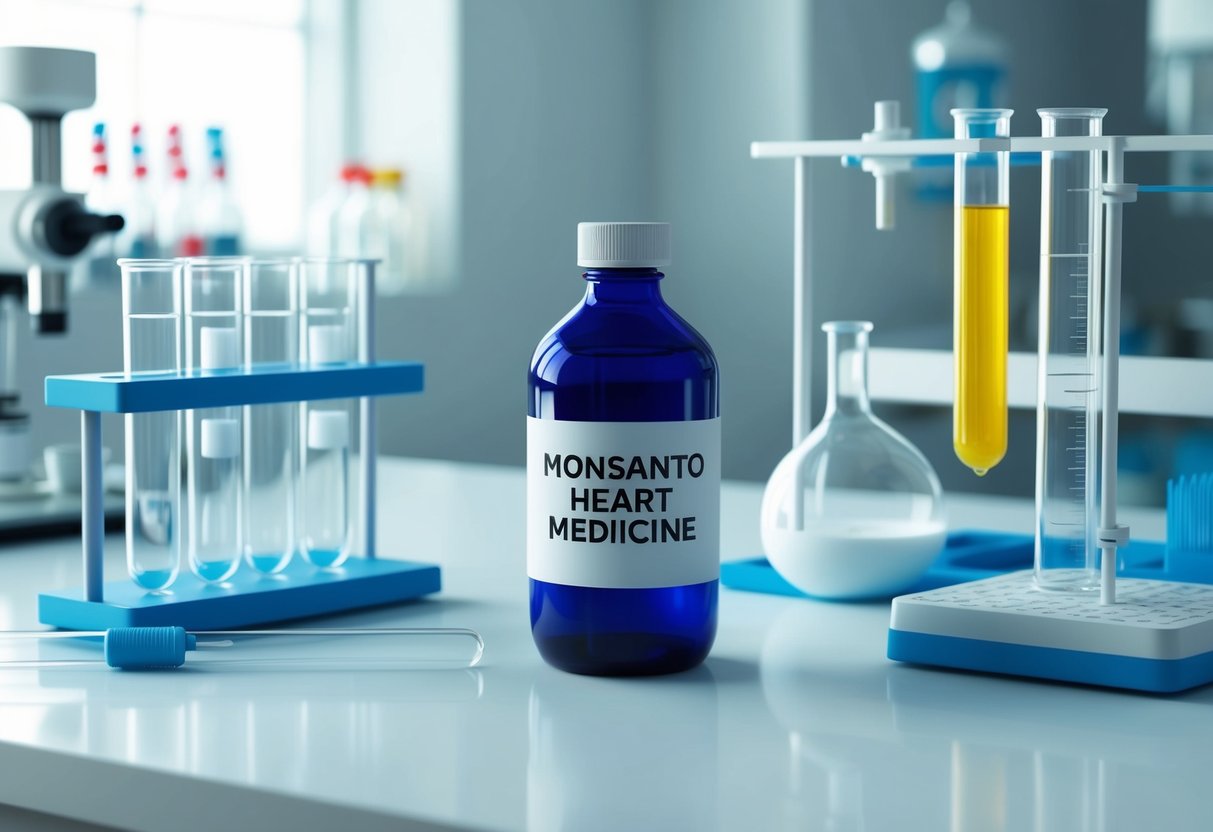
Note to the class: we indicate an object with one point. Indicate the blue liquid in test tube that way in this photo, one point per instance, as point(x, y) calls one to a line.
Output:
point(151, 317)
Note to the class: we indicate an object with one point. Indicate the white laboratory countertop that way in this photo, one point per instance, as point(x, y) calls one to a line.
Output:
point(797, 720)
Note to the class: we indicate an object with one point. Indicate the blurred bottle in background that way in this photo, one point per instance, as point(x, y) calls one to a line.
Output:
point(1179, 90)
point(387, 234)
point(138, 237)
point(353, 217)
point(98, 266)
point(176, 223)
point(322, 224)
point(957, 64)
point(370, 213)
point(219, 219)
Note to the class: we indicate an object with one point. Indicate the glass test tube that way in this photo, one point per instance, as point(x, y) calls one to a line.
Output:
point(213, 295)
point(271, 337)
point(1067, 426)
point(328, 288)
point(979, 340)
point(151, 342)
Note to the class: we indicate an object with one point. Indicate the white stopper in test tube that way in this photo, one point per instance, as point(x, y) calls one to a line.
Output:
point(326, 344)
point(220, 438)
point(219, 347)
point(328, 430)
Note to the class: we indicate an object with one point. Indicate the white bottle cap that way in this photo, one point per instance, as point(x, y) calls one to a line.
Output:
point(219, 347)
point(220, 438)
point(328, 430)
point(623, 245)
point(326, 344)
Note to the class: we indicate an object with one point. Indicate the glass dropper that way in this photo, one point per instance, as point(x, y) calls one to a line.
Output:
point(145, 648)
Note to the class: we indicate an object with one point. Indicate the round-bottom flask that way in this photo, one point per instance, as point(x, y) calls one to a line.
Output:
point(854, 511)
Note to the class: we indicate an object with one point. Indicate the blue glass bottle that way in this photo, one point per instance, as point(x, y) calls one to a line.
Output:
point(623, 355)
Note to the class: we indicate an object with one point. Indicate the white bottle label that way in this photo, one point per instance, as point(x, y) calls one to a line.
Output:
point(623, 504)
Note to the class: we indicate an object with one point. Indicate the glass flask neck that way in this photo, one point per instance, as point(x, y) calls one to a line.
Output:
point(622, 286)
point(847, 344)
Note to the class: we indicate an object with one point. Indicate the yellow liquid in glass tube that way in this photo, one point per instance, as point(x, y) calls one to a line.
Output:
point(979, 416)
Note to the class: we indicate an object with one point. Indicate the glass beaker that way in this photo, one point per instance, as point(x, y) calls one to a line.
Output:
point(151, 342)
point(1067, 407)
point(271, 337)
point(854, 511)
point(979, 339)
point(328, 288)
point(213, 297)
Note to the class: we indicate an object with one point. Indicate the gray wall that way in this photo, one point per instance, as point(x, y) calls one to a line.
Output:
point(592, 110)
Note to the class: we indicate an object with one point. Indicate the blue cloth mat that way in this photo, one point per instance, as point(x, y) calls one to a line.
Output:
point(968, 555)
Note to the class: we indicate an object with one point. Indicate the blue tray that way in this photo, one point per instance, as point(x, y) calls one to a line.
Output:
point(299, 591)
point(968, 555)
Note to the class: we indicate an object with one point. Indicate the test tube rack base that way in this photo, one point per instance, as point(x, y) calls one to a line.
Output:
point(1157, 637)
point(249, 597)
point(300, 590)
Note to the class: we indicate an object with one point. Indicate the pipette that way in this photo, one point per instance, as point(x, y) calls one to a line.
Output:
point(147, 648)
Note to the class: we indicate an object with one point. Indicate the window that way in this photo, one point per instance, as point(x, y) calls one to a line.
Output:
point(232, 63)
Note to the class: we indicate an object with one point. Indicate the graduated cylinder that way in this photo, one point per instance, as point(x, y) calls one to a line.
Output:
point(979, 341)
point(1067, 435)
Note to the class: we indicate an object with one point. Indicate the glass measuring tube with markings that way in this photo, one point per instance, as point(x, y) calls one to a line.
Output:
point(1067, 439)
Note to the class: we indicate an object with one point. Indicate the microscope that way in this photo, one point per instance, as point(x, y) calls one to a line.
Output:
point(42, 228)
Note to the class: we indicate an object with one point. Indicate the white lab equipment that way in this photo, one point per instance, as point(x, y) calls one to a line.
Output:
point(43, 229)
point(854, 510)
point(271, 338)
point(151, 342)
point(1158, 637)
point(214, 288)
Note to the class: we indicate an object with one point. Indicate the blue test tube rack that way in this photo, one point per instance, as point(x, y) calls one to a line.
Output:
point(249, 597)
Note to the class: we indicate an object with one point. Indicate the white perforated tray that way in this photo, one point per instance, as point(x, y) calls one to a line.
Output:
point(1151, 620)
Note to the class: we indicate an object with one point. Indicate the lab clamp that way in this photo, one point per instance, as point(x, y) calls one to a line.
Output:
point(1064, 619)
point(276, 391)
point(42, 228)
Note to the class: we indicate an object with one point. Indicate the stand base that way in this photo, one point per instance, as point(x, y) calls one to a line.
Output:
point(248, 598)
point(1158, 637)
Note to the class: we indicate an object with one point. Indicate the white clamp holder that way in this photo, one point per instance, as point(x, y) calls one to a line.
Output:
point(888, 128)
point(1119, 192)
point(1119, 536)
